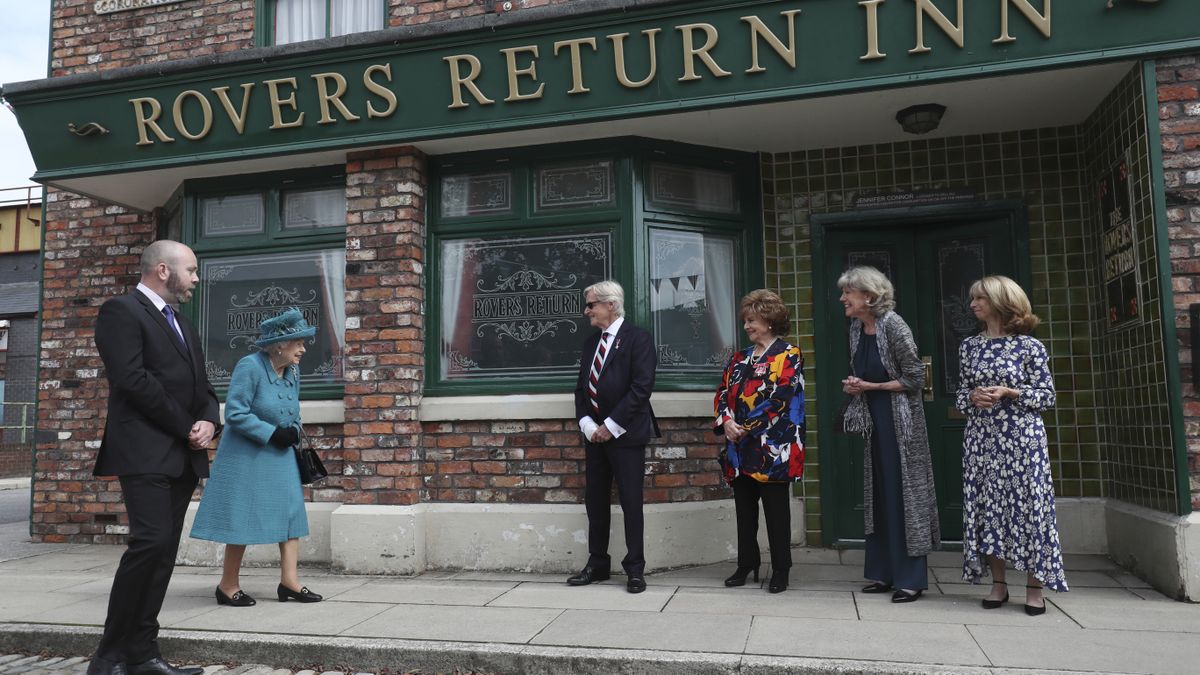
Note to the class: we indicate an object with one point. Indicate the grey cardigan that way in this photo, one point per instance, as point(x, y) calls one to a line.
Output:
point(898, 351)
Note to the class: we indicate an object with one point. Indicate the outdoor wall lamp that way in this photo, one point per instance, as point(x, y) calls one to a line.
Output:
point(921, 119)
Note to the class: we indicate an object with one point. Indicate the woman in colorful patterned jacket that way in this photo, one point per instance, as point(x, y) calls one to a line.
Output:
point(760, 411)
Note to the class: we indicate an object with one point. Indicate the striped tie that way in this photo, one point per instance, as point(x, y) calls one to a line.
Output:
point(597, 366)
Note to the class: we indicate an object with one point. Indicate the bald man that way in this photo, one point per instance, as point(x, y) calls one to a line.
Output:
point(162, 414)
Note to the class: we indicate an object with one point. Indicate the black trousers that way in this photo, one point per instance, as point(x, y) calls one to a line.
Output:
point(776, 503)
point(626, 466)
point(156, 505)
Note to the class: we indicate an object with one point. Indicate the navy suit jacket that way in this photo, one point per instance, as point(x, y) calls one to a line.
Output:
point(623, 391)
point(157, 389)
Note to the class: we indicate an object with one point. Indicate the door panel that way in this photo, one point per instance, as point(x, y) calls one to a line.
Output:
point(932, 266)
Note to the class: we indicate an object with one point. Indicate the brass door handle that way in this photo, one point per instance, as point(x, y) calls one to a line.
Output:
point(927, 390)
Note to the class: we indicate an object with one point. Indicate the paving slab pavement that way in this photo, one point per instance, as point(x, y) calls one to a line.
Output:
point(685, 622)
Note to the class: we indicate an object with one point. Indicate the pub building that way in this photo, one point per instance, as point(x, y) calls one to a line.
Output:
point(433, 183)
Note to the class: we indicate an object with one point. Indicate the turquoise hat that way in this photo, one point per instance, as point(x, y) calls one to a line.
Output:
point(287, 326)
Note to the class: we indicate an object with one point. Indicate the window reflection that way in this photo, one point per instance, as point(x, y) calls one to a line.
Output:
point(692, 300)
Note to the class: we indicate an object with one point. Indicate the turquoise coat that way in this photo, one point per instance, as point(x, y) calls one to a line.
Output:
point(253, 495)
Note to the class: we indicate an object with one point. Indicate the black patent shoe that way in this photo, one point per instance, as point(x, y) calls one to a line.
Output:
point(635, 585)
point(302, 595)
point(877, 587)
point(159, 666)
point(102, 666)
point(588, 575)
point(1034, 610)
point(996, 604)
point(779, 582)
point(738, 578)
point(238, 599)
point(902, 595)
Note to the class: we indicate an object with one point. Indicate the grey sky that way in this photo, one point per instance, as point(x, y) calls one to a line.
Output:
point(24, 32)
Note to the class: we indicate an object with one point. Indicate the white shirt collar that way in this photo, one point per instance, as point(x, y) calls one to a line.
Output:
point(159, 303)
point(614, 326)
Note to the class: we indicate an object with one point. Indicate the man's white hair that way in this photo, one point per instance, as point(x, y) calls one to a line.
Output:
point(608, 291)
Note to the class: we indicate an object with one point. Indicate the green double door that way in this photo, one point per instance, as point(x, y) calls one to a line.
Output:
point(932, 257)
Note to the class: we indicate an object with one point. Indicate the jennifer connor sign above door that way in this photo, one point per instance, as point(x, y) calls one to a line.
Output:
point(110, 6)
point(404, 85)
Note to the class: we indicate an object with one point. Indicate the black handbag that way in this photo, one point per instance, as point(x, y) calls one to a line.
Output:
point(309, 463)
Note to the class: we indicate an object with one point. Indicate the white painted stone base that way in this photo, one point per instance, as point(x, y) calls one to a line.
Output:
point(1162, 548)
point(526, 537)
point(1081, 525)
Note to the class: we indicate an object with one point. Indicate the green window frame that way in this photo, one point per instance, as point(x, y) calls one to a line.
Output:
point(309, 258)
point(264, 21)
point(498, 218)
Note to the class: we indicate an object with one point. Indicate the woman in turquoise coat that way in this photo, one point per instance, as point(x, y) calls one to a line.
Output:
point(253, 495)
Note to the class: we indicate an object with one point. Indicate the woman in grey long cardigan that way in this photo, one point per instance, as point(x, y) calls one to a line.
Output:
point(886, 409)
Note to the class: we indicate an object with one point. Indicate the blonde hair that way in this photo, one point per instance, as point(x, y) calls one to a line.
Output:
point(872, 282)
point(1010, 302)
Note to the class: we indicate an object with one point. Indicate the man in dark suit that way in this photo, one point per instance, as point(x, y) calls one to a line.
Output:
point(612, 404)
point(162, 414)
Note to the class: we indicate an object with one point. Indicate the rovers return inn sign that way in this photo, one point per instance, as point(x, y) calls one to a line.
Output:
point(387, 88)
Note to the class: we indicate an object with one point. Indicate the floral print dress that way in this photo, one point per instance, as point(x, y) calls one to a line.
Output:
point(766, 396)
point(1008, 497)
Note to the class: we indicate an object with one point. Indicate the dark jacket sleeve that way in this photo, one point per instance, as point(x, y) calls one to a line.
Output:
point(643, 364)
point(119, 340)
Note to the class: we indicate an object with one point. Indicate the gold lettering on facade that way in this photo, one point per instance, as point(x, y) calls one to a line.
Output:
point(205, 111)
point(758, 29)
point(238, 117)
point(691, 52)
point(457, 81)
point(872, 7)
point(277, 103)
point(953, 30)
point(530, 71)
point(576, 61)
point(379, 90)
point(325, 98)
point(150, 121)
point(1040, 21)
point(618, 40)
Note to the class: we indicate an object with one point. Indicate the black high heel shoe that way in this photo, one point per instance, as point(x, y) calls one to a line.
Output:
point(997, 604)
point(1033, 610)
point(238, 599)
point(779, 582)
point(738, 578)
point(302, 595)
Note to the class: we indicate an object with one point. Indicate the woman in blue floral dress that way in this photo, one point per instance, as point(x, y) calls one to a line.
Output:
point(760, 411)
point(1008, 498)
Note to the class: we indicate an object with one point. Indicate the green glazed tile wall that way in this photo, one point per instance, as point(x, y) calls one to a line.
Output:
point(1133, 404)
point(1046, 168)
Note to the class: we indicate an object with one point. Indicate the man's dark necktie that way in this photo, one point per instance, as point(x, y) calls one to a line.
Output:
point(170, 314)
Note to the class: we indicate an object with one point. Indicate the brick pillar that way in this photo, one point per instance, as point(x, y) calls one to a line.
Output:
point(92, 252)
point(1179, 124)
point(385, 329)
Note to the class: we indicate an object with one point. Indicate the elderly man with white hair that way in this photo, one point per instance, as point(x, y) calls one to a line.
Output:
point(612, 404)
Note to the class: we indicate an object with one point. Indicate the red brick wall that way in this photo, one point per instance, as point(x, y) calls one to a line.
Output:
point(1179, 124)
point(83, 41)
point(542, 461)
point(14, 460)
point(385, 331)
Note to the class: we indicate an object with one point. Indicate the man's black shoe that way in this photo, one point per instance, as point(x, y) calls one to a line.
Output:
point(100, 666)
point(635, 585)
point(159, 666)
point(588, 575)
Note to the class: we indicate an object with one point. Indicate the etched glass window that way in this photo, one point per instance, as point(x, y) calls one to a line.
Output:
point(688, 187)
point(240, 291)
point(575, 185)
point(312, 209)
point(692, 299)
point(513, 307)
point(232, 215)
point(476, 194)
point(960, 263)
